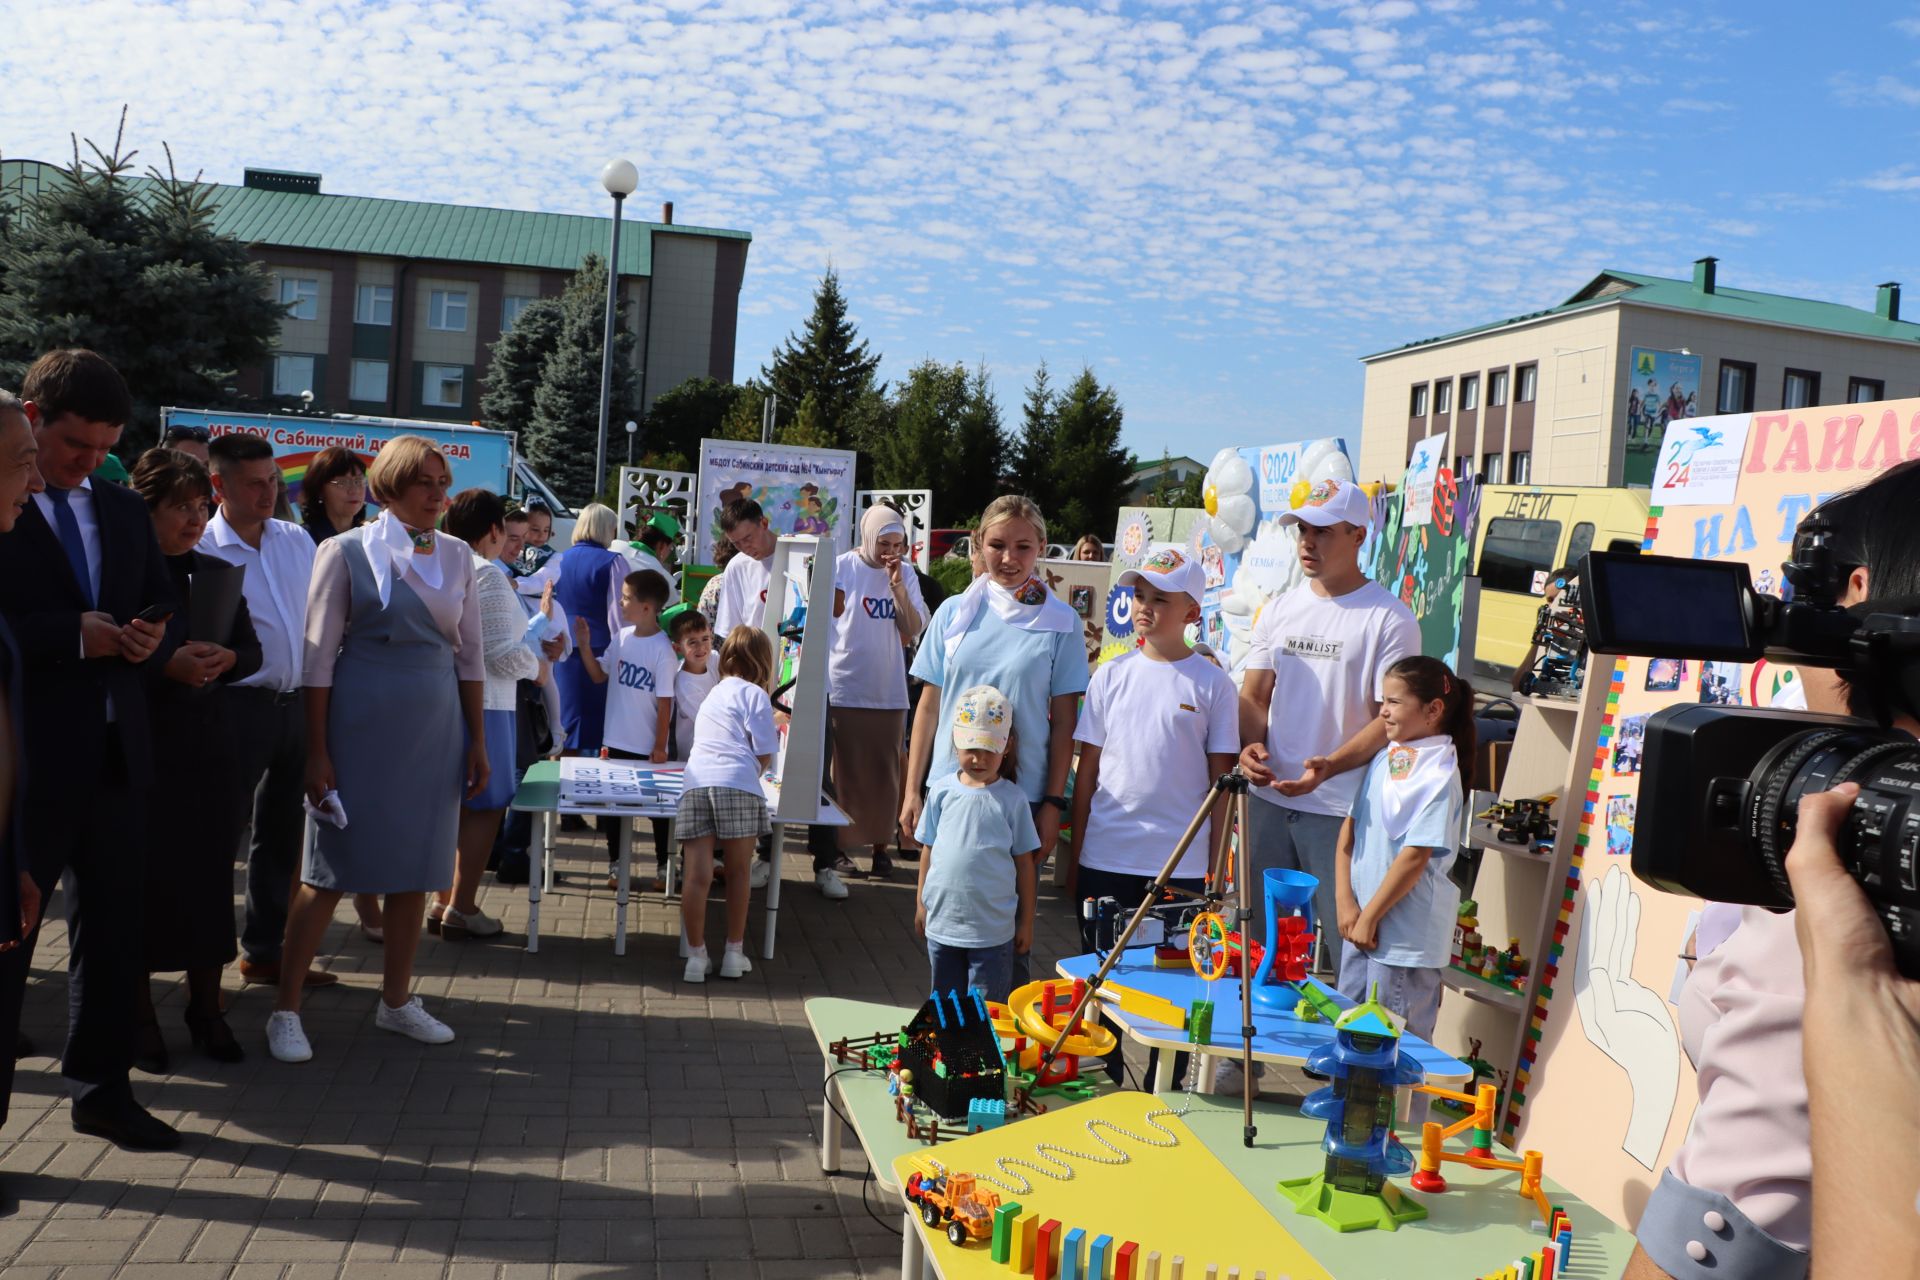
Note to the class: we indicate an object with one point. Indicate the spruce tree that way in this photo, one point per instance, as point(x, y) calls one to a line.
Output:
point(1091, 470)
point(978, 453)
point(514, 365)
point(826, 360)
point(562, 436)
point(133, 268)
point(807, 429)
point(1033, 452)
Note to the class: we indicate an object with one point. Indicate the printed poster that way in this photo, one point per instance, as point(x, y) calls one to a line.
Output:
point(1664, 388)
point(1423, 473)
point(1700, 461)
point(1425, 564)
point(806, 491)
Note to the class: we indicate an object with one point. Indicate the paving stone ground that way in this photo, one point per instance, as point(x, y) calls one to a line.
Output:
point(597, 1117)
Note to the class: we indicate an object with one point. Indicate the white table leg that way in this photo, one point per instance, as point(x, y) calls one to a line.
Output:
point(913, 1250)
point(623, 845)
point(543, 851)
point(830, 1135)
point(1203, 1063)
point(546, 853)
point(773, 892)
point(1163, 1056)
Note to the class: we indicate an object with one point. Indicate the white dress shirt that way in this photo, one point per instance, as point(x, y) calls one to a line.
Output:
point(80, 502)
point(275, 587)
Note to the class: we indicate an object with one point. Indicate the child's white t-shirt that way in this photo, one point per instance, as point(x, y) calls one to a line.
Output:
point(690, 690)
point(1155, 723)
point(867, 666)
point(1328, 657)
point(734, 728)
point(640, 671)
point(1418, 932)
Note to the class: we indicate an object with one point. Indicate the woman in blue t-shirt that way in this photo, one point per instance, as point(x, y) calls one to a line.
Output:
point(1006, 630)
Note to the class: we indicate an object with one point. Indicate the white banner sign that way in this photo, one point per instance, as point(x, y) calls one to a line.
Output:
point(1699, 462)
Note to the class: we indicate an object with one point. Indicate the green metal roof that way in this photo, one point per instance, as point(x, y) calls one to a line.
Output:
point(407, 228)
point(1610, 287)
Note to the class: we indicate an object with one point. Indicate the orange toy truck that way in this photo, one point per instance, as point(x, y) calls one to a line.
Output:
point(952, 1198)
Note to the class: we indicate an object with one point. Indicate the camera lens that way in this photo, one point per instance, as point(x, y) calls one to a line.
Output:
point(1879, 844)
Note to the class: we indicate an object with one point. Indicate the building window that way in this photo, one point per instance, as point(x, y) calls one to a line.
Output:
point(301, 297)
point(1469, 394)
point(1496, 388)
point(1443, 397)
point(373, 304)
point(510, 308)
point(1460, 467)
point(1490, 467)
point(1736, 387)
point(443, 386)
point(1800, 390)
point(1515, 551)
point(447, 310)
point(1419, 407)
point(1529, 375)
point(292, 375)
point(1865, 390)
point(369, 381)
point(1520, 466)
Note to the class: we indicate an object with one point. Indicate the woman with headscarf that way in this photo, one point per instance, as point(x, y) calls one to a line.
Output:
point(878, 610)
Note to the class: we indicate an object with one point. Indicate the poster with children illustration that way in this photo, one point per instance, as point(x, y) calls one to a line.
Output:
point(800, 490)
point(1620, 825)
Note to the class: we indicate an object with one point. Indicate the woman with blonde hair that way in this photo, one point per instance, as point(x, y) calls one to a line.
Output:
point(1006, 630)
point(394, 670)
point(1089, 548)
point(588, 587)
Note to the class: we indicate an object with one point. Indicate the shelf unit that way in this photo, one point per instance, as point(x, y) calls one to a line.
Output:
point(1519, 890)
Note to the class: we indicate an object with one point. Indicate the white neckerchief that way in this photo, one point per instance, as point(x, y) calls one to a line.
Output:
point(1030, 608)
point(1417, 773)
point(389, 548)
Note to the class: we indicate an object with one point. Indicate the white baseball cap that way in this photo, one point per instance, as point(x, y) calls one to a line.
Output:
point(1332, 502)
point(982, 720)
point(1171, 570)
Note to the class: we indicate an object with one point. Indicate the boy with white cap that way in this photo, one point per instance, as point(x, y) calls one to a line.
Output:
point(977, 878)
point(1160, 724)
point(1310, 704)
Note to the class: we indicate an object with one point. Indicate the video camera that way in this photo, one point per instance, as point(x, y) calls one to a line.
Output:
point(1720, 786)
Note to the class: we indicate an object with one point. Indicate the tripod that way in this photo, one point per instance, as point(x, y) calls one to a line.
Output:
point(1234, 784)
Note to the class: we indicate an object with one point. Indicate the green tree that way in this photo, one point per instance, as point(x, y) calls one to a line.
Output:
point(133, 268)
point(681, 418)
point(979, 454)
point(1032, 452)
point(742, 421)
point(562, 436)
point(515, 363)
point(807, 428)
point(946, 436)
point(1169, 492)
point(826, 360)
point(1091, 470)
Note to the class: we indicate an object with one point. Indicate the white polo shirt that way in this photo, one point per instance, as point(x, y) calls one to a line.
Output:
point(275, 587)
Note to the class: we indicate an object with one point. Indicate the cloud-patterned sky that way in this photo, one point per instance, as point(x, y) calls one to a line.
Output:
point(1217, 206)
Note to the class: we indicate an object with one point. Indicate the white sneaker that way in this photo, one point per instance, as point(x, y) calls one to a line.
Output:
point(734, 964)
point(832, 887)
point(413, 1021)
point(286, 1038)
point(762, 872)
point(698, 966)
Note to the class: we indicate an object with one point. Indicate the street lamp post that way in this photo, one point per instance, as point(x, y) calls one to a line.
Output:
point(619, 178)
point(633, 429)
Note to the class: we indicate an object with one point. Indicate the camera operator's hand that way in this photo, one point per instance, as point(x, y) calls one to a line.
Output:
point(1862, 1048)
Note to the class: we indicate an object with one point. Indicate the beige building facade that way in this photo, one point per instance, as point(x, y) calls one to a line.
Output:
point(1543, 398)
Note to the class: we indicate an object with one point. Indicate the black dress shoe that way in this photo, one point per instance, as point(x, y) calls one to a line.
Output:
point(125, 1123)
point(213, 1037)
point(149, 1050)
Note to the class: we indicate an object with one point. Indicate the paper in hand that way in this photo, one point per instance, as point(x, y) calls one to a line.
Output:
point(329, 810)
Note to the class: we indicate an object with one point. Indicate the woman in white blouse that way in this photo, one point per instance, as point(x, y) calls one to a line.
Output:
point(394, 667)
point(478, 518)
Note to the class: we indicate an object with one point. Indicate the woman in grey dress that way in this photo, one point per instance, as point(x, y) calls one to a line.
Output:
point(393, 674)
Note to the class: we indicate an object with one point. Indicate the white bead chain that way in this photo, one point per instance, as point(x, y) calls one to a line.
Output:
point(1006, 1163)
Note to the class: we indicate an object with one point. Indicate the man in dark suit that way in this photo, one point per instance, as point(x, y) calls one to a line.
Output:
point(75, 577)
point(19, 895)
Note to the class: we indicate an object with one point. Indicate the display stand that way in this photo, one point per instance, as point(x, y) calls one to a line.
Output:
point(648, 489)
point(1520, 891)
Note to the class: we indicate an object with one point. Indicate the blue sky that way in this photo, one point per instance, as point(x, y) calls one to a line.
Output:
point(1219, 207)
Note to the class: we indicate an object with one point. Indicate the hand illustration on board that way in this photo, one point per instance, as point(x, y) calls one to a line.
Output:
point(1627, 1021)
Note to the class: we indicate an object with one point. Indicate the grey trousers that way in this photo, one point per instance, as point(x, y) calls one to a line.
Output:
point(1296, 841)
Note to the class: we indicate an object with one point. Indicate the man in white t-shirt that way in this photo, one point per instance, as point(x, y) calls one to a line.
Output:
point(743, 584)
point(1310, 705)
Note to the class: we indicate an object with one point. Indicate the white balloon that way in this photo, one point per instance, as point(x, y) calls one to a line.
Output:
point(1237, 513)
point(1229, 539)
point(1230, 474)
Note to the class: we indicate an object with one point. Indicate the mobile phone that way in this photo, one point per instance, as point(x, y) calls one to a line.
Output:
point(154, 613)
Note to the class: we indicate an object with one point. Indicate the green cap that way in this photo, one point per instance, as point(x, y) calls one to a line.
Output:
point(665, 523)
point(112, 469)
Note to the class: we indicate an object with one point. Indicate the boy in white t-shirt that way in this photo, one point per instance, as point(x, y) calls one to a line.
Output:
point(1159, 725)
point(638, 669)
point(693, 641)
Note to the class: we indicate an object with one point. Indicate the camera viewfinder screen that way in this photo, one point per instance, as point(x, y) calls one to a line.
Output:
point(1665, 607)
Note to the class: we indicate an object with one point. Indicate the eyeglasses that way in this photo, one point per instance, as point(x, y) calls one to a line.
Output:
point(348, 484)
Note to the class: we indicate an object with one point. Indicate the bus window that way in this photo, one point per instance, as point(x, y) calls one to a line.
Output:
point(1515, 550)
point(1579, 544)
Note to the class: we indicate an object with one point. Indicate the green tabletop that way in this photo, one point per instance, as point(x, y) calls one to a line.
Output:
point(539, 790)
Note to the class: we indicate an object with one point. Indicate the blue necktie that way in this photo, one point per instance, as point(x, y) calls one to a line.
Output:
point(68, 528)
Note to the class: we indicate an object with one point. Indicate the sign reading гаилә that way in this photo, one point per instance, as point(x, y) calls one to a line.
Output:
point(800, 490)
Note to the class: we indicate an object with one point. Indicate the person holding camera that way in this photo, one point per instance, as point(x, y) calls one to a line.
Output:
point(1737, 1198)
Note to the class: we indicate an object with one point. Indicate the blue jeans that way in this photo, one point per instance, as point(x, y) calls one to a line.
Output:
point(963, 968)
point(1297, 841)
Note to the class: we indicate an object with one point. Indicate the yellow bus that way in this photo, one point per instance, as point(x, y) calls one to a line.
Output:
point(1526, 532)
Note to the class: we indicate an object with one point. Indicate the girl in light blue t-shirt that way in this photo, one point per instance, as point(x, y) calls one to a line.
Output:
point(1397, 904)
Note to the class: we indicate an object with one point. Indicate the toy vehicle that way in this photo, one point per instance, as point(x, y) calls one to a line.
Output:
point(952, 1198)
